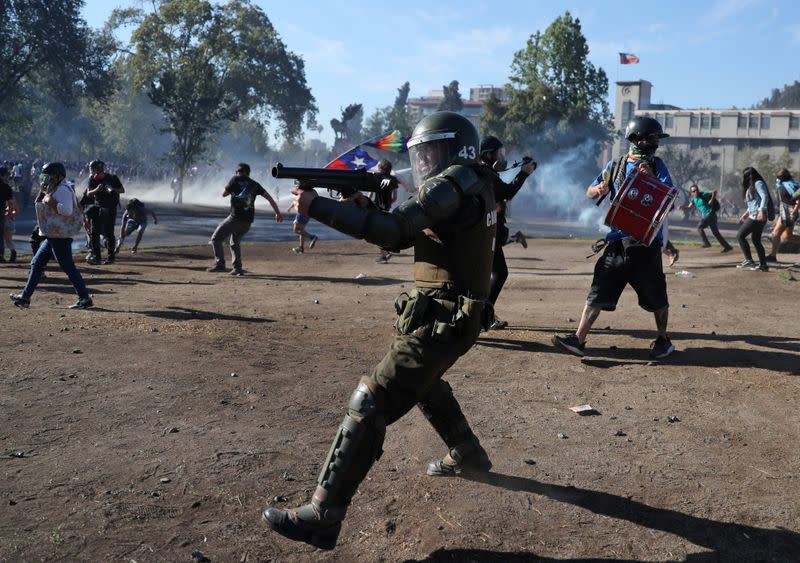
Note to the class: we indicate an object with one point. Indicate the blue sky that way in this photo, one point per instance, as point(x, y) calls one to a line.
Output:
point(714, 54)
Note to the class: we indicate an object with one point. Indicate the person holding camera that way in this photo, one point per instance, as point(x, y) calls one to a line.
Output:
point(101, 200)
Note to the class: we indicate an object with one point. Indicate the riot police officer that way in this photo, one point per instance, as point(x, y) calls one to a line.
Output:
point(451, 225)
point(101, 200)
point(493, 156)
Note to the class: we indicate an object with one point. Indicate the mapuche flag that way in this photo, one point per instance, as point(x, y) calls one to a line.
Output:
point(393, 141)
point(353, 159)
point(628, 59)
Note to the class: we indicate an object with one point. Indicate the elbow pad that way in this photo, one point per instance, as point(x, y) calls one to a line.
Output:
point(441, 196)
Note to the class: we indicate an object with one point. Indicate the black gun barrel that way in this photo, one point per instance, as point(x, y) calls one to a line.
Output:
point(330, 178)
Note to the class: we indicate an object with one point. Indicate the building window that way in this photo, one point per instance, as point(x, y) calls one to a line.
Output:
point(669, 122)
point(627, 112)
point(753, 122)
point(714, 156)
point(794, 146)
point(741, 122)
point(660, 119)
point(742, 144)
point(765, 122)
point(694, 143)
point(794, 122)
point(704, 121)
point(693, 121)
point(715, 122)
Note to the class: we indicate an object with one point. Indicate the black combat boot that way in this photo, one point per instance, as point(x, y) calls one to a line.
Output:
point(357, 445)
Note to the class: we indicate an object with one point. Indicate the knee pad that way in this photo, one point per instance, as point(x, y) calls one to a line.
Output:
point(357, 445)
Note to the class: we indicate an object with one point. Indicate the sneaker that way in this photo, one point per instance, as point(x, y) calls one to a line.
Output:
point(726, 249)
point(237, 272)
point(746, 264)
point(705, 245)
point(297, 250)
point(92, 261)
point(661, 347)
point(20, 300)
point(767, 258)
point(13, 256)
point(760, 268)
point(134, 250)
point(469, 457)
point(520, 238)
point(498, 325)
point(108, 261)
point(116, 250)
point(381, 260)
point(217, 268)
point(313, 241)
point(570, 344)
point(82, 303)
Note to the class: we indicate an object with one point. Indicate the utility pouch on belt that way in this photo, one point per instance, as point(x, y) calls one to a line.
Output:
point(466, 310)
point(411, 309)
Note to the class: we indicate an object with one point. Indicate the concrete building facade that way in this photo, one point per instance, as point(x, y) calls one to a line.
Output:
point(725, 133)
point(473, 107)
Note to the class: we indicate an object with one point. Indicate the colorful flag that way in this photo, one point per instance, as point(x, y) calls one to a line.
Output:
point(353, 159)
point(392, 141)
point(628, 59)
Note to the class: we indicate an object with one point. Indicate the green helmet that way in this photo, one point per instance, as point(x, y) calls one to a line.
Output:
point(439, 140)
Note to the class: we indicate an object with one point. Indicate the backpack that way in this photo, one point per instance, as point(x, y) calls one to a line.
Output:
point(770, 208)
point(714, 204)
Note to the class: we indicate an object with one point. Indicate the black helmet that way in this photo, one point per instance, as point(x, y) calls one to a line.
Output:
point(490, 143)
point(439, 140)
point(642, 127)
point(49, 174)
point(97, 166)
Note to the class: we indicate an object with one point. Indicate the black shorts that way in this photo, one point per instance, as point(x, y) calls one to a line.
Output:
point(639, 266)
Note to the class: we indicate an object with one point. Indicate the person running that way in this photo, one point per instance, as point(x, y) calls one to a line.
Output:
point(299, 227)
point(135, 219)
point(706, 203)
point(243, 191)
point(753, 221)
point(789, 201)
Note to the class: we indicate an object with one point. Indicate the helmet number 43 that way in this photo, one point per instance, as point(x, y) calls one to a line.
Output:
point(467, 152)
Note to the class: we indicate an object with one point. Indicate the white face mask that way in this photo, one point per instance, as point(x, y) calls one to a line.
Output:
point(500, 161)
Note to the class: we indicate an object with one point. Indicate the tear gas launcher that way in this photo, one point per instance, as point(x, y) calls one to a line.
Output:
point(347, 182)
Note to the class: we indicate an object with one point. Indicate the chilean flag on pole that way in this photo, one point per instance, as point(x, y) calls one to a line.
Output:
point(353, 159)
point(628, 59)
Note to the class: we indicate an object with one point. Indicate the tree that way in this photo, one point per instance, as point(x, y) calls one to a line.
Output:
point(46, 43)
point(787, 98)
point(493, 117)
point(398, 116)
point(204, 64)
point(557, 98)
point(452, 98)
point(689, 166)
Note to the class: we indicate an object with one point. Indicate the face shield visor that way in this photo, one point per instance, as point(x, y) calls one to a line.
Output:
point(429, 155)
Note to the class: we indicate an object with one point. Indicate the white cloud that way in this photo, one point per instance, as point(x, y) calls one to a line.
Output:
point(329, 56)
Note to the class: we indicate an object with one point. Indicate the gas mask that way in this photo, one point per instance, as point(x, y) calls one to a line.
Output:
point(500, 162)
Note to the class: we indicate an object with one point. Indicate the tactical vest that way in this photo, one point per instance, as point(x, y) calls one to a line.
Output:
point(456, 255)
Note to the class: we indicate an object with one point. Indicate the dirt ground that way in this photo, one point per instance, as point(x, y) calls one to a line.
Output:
point(158, 425)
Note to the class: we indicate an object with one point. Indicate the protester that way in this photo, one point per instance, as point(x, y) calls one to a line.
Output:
point(789, 201)
point(59, 216)
point(754, 219)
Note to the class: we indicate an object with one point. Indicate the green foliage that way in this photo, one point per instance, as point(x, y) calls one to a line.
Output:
point(690, 166)
point(786, 98)
point(452, 98)
point(46, 44)
point(556, 96)
point(493, 118)
point(204, 64)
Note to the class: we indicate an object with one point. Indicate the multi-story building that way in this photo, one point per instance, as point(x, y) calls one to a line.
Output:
point(473, 107)
point(723, 132)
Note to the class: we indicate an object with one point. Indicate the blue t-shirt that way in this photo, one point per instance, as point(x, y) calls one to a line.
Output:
point(662, 175)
